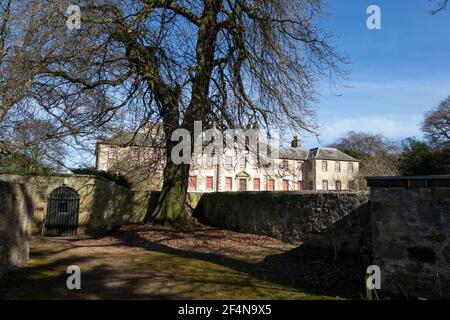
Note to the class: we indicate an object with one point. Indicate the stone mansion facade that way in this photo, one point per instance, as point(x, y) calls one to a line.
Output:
point(295, 168)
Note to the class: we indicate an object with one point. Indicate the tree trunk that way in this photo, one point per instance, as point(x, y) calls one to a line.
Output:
point(172, 206)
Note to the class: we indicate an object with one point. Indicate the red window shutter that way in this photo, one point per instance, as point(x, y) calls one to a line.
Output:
point(285, 185)
point(228, 183)
point(299, 185)
point(270, 184)
point(256, 184)
point(209, 183)
point(193, 182)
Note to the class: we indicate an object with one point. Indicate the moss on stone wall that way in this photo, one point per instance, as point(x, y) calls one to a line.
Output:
point(411, 242)
point(103, 204)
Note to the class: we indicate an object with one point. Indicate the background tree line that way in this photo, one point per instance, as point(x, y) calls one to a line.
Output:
point(382, 157)
point(136, 62)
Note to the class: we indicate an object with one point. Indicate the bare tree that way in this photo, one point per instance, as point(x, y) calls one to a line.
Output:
point(436, 125)
point(24, 34)
point(227, 61)
point(30, 39)
point(441, 5)
point(365, 143)
point(378, 155)
point(32, 135)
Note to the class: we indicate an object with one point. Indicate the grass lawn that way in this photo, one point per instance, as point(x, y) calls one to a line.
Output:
point(155, 263)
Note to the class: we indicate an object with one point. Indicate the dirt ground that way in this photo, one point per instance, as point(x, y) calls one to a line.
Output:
point(138, 262)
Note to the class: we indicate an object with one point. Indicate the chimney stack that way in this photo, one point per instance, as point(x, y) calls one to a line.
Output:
point(295, 143)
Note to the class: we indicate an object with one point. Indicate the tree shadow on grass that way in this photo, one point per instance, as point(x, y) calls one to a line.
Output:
point(304, 269)
point(47, 280)
point(164, 272)
point(150, 276)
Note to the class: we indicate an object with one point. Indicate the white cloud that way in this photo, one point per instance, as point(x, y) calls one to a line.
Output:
point(395, 127)
point(434, 87)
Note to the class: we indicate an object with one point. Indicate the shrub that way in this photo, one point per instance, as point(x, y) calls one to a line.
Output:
point(29, 171)
point(114, 177)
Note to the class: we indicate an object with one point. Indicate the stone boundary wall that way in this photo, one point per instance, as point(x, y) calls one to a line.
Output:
point(336, 220)
point(16, 213)
point(104, 205)
point(411, 230)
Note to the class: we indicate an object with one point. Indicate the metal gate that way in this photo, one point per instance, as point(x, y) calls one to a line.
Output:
point(62, 213)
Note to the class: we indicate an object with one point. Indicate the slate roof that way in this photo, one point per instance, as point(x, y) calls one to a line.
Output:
point(293, 153)
point(329, 154)
point(139, 139)
point(316, 153)
point(145, 139)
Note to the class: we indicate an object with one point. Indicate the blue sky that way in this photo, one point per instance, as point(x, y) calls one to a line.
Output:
point(397, 73)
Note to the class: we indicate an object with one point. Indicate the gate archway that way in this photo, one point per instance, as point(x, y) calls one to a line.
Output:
point(62, 213)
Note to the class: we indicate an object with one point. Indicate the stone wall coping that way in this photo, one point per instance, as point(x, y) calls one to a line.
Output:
point(442, 181)
point(286, 192)
point(61, 175)
point(49, 175)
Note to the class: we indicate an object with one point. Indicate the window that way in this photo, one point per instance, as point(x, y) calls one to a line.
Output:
point(285, 185)
point(324, 184)
point(135, 153)
point(350, 167)
point(242, 184)
point(156, 180)
point(324, 166)
point(247, 143)
point(194, 160)
point(351, 185)
point(146, 153)
point(193, 182)
point(228, 183)
point(209, 183)
point(256, 184)
point(242, 162)
point(299, 185)
point(338, 167)
point(112, 152)
point(209, 161)
point(272, 163)
point(270, 185)
point(229, 161)
point(338, 185)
